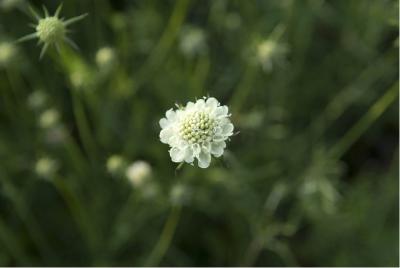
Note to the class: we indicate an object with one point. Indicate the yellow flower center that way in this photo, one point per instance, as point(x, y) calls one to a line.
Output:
point(197, 128)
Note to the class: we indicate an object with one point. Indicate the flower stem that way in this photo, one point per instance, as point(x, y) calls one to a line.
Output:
point(166, 236)
point(29, 221)
point(374, 112)
point(78, 212)
point(165, 42)
point(10, 242)
point(243, 90)
point(83, 126)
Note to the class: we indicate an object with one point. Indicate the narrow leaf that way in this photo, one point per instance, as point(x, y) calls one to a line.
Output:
point(74, 19)
point(27, 37)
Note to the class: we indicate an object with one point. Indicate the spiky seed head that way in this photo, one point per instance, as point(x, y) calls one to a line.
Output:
point(51, 30)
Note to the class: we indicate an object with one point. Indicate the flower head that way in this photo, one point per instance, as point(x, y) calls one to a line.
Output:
point(105, 57)
point(49, 118)
point(46, 167)
point(270, 52)
point(197, 131)
point(8, 52)
point(8, 5)
point(115, 164)
point(138, 173)
point(51, 30)
point(179, 194)
point(37, 99)
point(193, 41)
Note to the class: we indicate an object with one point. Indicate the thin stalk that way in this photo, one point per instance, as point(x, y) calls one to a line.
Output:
point(256, 246)
point(30, 222)
point(165, 238)
point(83, 126)
point(165, 42)
point(243, 90)
point(77, 211)
point(10, 242)
point(374, 112)
point(200, 75)
point(339, 103)
point(63, 59)
point(127, 207)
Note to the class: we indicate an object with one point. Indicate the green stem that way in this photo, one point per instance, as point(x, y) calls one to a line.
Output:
point(119, 220)
point(200, 75)
point(335, 108)
point(374, 112)
point(165, 43)
point(10, 242)
point(165, 239)
point(83, 126)
point(78, 212)
point(243, 90)
point(29, 221)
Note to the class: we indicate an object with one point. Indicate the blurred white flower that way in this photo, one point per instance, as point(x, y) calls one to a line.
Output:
point(179, 194)
point(51, 30)
point(46, 167)
point(115, 164)
point(233, 21)
point(138, 173)
point(37, 99)
point(49, 118)
point(150, 190)
point(105, 57)
point(56, 135)
point(192, 41)
point(8, 52)
point(8, 5)
point(197, 131)
point(269, 53)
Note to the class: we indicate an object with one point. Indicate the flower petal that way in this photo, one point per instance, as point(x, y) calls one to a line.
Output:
point(170, 114)
point(196, 149)
point(212, 103)
point(200, 104)
point(204, 159)
point(163, 122)
point(189, 157)
point(227, 129)
point(166, 134)
point(221, 111)
point(217, 148)
point(177, 155)
point(206, 146)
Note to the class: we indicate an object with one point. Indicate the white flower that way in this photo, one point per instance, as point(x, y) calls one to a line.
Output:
point(105, 57)
point(197, 131)
point(8, 52)
point(192, 41)
point(138, 173)
point(46, 167)
point(8, 5)
point(37, 99)
point(49, 118)
point(115, 163)
point(270, 52)
point(179, 194)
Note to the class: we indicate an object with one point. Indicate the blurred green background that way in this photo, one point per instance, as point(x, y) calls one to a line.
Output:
point(311, 178)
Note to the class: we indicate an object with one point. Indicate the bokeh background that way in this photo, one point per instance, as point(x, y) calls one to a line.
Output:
point(310, 178)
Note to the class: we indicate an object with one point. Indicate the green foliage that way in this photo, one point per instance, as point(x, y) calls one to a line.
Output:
point(311, 178)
